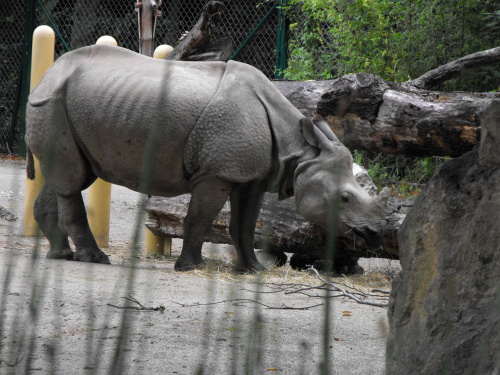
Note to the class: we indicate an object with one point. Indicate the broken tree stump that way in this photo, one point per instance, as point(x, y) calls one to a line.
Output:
point(197, 44)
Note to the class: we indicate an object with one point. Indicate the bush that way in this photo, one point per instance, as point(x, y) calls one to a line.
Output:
point(397, 40)
point(405, 176)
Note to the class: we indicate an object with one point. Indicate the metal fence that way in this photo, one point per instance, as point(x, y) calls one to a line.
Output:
point(81, 22)
point(11, 42)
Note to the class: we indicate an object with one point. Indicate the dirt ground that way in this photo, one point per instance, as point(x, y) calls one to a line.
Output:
point(55, 316)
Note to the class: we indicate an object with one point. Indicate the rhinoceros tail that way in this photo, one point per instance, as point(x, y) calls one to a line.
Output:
point(30, 166)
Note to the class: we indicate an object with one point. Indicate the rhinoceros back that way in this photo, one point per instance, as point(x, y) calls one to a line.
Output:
point(118, 103)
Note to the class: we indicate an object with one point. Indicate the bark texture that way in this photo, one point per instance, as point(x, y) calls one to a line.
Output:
point(367, 113)
point(199, 37)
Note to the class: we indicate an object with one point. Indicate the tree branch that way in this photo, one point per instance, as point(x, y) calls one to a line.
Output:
point(346, 293)
point(356, 294)
point(199, 36)
point(455, 68)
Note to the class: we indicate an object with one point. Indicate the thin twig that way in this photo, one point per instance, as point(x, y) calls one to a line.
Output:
point(381, 291)
point(242, 301)
point(160, 308)
point(344, 292)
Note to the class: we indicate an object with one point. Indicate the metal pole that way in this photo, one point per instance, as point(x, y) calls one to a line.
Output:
point(280, 47)
point(54, 26)
point(147, 12)
point(252, 32)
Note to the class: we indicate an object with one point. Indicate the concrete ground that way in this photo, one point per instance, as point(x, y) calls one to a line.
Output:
point(55, 316)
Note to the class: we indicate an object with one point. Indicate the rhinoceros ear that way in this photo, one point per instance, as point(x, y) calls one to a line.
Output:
point(315, 135)
point(325, 128)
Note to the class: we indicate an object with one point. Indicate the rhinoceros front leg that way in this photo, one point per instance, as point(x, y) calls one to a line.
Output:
point(73, 221)
point(208, 196)
point(245, 207)
point(46, 215)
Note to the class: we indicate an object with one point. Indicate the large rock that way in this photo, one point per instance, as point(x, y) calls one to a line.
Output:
point(444, 312)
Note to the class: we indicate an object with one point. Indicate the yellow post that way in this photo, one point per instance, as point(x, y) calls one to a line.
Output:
point(98, 211)
point(158, 244)
point(167, 246)
point(162, 51)
point(154, 243)
point(100, 192)
point(42, 58)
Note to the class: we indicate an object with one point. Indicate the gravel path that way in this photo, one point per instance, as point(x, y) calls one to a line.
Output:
point(55, 314)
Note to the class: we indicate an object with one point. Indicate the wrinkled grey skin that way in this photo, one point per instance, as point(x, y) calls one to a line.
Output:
point(215, 130)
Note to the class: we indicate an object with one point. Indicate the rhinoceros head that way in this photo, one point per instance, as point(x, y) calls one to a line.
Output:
point(327, 194)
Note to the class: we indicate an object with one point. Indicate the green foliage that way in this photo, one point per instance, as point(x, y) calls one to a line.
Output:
point(397, 40)
point(405, 176)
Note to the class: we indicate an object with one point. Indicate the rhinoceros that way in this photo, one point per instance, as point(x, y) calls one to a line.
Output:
point(212, 129)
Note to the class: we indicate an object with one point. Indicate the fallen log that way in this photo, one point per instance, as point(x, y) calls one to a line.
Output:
point(368, 113)
point(280, 228)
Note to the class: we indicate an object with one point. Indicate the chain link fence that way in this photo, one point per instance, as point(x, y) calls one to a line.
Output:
point(81, 22)
point(11, 47)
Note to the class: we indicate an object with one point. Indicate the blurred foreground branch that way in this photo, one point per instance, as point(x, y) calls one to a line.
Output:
point(141, 307)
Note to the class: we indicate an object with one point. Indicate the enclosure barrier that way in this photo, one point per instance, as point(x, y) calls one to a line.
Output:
point(157, 244)
point(42, 58)
point(100, 191)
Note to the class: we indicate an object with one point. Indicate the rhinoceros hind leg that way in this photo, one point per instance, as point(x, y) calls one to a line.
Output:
point(207, 199)
point(46, 215)
point(245, 207)
point(73, 220)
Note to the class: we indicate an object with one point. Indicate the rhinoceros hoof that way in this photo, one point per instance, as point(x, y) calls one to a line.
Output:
point(91, 256)
point(252, 268)
point(324, 265)
point(65, 253)
point(188, 265)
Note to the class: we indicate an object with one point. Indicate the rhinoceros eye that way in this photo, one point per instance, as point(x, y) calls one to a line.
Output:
point(346, 197)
